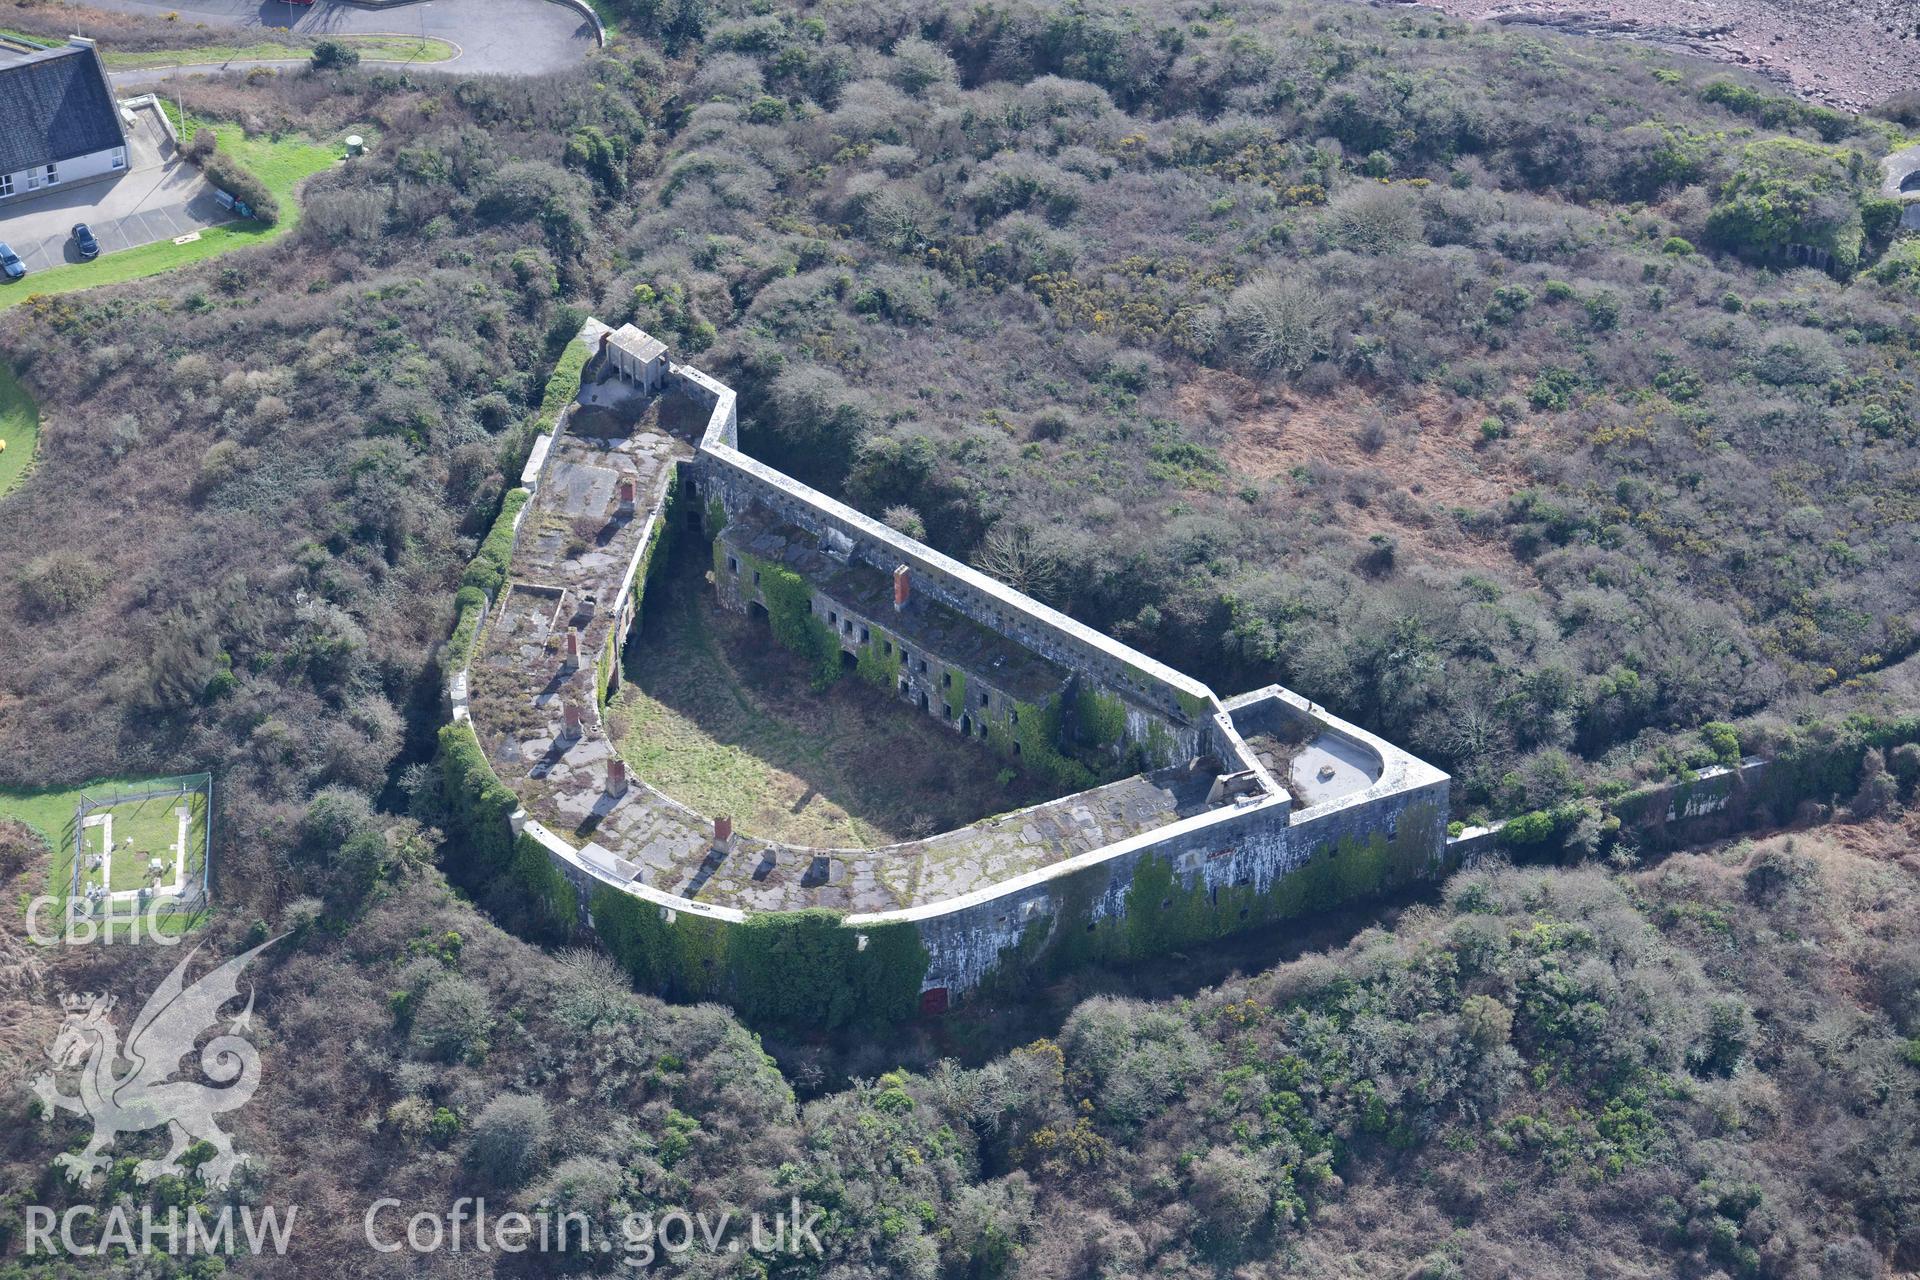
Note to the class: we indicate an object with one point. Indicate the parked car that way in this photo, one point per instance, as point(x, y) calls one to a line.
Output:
point(84, 241)
point(10, 264)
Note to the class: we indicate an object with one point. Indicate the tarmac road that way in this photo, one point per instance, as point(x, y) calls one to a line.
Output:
point(511, 37)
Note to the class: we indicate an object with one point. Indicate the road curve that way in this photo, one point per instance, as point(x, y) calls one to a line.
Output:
point(511, 37)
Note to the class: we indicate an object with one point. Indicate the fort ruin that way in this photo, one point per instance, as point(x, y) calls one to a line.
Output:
point(1189, 816)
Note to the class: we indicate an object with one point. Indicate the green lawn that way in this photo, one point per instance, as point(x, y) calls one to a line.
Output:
point(281, 163)
point(19, 429)
point(388, 48)
point(49, 811)
point(725, 721)
point(143, 831)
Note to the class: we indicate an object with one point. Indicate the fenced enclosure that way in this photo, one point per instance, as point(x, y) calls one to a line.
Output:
point(144, 849)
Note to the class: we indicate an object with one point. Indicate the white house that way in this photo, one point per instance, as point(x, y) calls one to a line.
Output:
point(59, 123)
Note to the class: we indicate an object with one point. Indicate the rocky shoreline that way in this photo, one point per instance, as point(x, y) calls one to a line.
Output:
point(1849, 54)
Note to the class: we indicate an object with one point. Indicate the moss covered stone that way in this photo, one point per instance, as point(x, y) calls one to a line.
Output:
point(1161, 915)
point(1100, 719)
point(879, 662)
point(488, 569)
point(478, 804)
point(797, 968)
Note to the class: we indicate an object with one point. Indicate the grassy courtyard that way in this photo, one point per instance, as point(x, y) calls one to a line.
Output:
point(151, 825)
point(720, 718)
point(145, 833)
point(19, 429)
point(282, 163)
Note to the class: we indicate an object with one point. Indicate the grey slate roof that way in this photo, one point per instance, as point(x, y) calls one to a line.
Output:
point(55, 105)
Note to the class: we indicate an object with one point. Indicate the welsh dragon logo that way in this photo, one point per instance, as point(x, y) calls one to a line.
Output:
point(145, 1094)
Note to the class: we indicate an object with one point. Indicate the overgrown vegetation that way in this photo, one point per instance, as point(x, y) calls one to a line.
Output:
point(1327, 356)
point(1291, 342)
point(719, 719)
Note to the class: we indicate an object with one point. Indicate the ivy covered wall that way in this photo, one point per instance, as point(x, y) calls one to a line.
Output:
point(1134, 909)
point(488, 568)
point(795, 968)
point(788, 599)
point(478, 803)
point(685, 959)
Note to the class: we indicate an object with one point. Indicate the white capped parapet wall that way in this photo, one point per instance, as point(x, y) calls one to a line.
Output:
point(1231, 866)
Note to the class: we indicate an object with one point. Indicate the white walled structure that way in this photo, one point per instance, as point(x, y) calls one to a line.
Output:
point(59, 123)
point(636, 356)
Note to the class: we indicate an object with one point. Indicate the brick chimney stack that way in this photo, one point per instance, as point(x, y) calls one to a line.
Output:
point(723, 831)
point(573, 646)
point(570, 720)
point(628, 492)
point(902, 586)
point(616, 777)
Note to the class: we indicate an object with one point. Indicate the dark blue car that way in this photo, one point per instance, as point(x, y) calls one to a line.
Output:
point(10, 264)
point(83, 240)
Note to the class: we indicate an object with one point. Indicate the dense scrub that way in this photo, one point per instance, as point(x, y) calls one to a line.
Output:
point(1302, 343)
point(1287, 342)
point(1702, 1069)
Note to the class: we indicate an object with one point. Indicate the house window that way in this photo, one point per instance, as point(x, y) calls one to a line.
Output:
point(1013, 717)
point(6, 184)
point(923, 666)
point(985, 699)
point(886, 647)
point(733, 566)
point(119, 157)
point(53, 174)
point(863, 635)
point(33, 179)
point(946, 679)
point(833, 619)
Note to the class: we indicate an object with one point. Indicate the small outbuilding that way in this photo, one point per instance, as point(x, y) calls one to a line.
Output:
point(59, 123)
point(635, 356)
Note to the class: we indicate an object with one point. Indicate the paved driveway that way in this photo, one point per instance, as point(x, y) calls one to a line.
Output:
point(158, 198)
point(515, 37)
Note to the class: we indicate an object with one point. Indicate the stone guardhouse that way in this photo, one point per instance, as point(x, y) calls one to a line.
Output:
point(636, 357)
